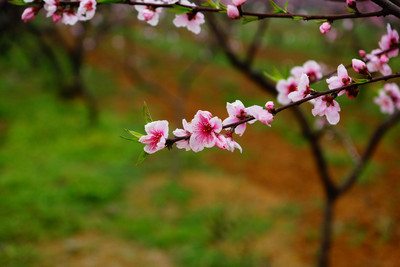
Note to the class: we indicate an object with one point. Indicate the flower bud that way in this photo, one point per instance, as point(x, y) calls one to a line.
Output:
point(238, 2)
point(233, 12)
point(30, 13)
point(359, 66)
point(325, 27)
point(352, 92)
point(270, 106)
point(362, 53)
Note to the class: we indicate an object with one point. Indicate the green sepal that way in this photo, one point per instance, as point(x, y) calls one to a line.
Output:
point(286, 4)
point(18, 2)
point(298, 18)
point(181, 9)
point(130, 139)
point(360, 81)
point(248, 19)
point(350, 10)
point(278, 9)
point(146, 113)
point(141, 157)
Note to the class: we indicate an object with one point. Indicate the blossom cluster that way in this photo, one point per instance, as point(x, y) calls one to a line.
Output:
point(297, 86)
point(68, 13)
point(205, 130)
point(389, 98)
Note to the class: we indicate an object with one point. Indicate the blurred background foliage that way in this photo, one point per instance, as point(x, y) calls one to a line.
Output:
point(71, 195)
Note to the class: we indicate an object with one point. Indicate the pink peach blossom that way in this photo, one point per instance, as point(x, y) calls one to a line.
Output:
point(311, 68)
point(388, 41)
point(284, 88)
point(69, 17)
point(385, 102)
point(237, 112)
point(149, 13)
point(183, 144)
point(204, 128)
point(303, 89)
point(191, 20)
point(86, 10)
point(341, 80)
point(327, 106)
point(51, 7)
point(157, 133)
point(393, 91)
point(378, 62)
point(260, 114)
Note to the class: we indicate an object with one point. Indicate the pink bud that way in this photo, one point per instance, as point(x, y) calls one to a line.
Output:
point(148, 14)
point(30, 13)
point(269, 105)
point(359, 66)
point(233, 12)
point(238, 2)
point(325, 27)
point(362, 53)
point(56, 17)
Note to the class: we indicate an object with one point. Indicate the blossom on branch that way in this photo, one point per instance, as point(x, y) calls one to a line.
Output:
point(204, 128)
point(303, 89)
point(237, 112)
point(389, 98)
point(377, 61)
point(86, 10)
point(311, 68)
point(225, 141)
point(284, 88)
point(183, 144)
point(389, 41)
point(260, 114)
point(191, 20)
point(327, 106)
point(157, 133)
point(342, 79)
point(149, 13)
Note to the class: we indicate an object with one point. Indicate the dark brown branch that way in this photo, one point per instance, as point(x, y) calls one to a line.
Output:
point(389, 6)
point(373, 143)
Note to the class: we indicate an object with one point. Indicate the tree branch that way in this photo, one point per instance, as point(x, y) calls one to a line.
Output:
point(373, 143)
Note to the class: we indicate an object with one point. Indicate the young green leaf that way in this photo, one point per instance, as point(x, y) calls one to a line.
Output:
point(141, 158)
point(286, 4)
point(18, 2)
point(182, 8)
point(136, 140)
point(278, 9)
point(247, 19)
point(146, 113)
point(360, 80)
point(297, 18)
point(350, 10)
point(276, 75)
